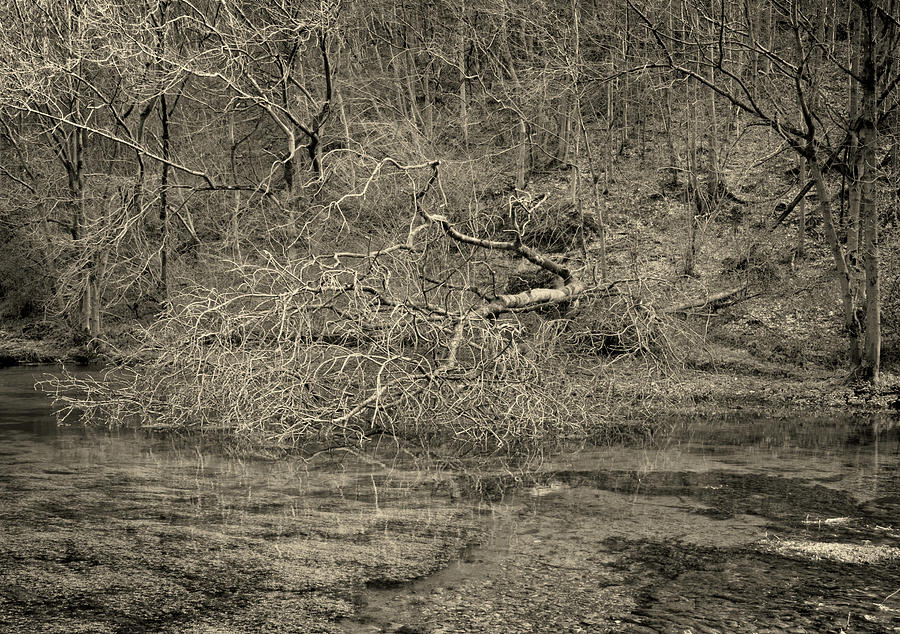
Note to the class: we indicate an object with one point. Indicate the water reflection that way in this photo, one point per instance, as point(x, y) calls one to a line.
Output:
point(701, 527)
point(21, 407)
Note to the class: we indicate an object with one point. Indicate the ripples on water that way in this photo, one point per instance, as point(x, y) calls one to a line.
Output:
point(733, 524)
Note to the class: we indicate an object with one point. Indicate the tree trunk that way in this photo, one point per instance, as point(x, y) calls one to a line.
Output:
point(845, 281)
point(801, 211)
point(610, 142)
point(93, 304)
point(868, 210)
point(416, 115)
point(693, 198)
point(427, 102)
point(714, 152)
point(598, 202)
point(562, 147)
point(672, 170)
point(234, 225)
point(292, 183)
point(164, 199)
point(74, 161)
point(463, 81)
point(523, 154)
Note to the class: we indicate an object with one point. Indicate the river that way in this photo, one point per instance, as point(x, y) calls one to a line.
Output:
point(744, 523)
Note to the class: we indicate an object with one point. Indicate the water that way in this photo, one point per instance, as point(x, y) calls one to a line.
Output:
point(742, 524)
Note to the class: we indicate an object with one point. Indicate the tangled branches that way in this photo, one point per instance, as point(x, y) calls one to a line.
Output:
point(330, 361)
point(410, 341)
point(407, 340)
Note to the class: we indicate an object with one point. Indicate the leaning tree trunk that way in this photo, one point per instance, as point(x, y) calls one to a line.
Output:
point(845, 280)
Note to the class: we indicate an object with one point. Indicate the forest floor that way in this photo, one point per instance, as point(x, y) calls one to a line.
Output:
point(781, 345)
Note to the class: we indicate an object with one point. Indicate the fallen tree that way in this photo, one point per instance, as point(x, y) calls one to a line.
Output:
point(413, 340)
point(410, 339)
point(712, 302)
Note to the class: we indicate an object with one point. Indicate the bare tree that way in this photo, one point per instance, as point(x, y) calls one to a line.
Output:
point(790, 100)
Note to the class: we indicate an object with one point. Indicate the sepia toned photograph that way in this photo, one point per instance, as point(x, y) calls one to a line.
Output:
point(450, 316)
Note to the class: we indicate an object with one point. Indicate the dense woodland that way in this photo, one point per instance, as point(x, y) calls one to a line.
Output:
point(319, 220)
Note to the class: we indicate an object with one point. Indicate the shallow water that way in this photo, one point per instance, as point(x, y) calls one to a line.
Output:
point(745, 524)
point(733, 525)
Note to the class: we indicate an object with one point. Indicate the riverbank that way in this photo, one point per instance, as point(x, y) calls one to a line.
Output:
point(19, 349)
point(731, 380)
point(716, 377)
point(31, 342)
